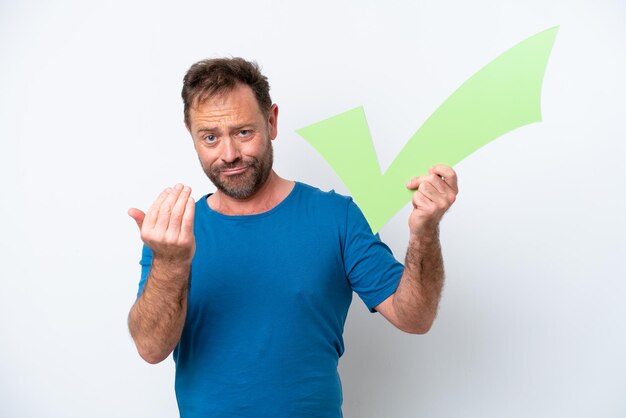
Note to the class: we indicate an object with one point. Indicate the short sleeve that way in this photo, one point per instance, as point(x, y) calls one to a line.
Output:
point(372, 270)
point(146, 263)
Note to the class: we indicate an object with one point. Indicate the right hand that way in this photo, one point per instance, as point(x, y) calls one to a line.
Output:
point(167, 228)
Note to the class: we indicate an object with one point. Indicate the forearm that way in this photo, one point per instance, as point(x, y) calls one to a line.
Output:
point(417, 297)
point(157, 318)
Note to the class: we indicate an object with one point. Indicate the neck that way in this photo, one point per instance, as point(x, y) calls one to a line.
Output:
point(270, 194)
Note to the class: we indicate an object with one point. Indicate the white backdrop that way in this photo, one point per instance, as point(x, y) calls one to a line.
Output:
point(532, 321)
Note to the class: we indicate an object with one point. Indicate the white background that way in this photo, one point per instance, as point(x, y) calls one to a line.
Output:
point(532, 321)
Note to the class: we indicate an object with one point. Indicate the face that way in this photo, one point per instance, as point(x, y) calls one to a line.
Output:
point(233, 140)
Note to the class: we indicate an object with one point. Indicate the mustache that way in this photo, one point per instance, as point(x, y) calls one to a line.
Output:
point(237, 164)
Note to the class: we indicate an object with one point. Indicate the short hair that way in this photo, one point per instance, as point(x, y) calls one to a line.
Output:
point(211, 77)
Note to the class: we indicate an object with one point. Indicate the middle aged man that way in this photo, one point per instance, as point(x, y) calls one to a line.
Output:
point(250, 286)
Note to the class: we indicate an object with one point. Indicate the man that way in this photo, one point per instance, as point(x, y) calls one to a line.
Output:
point(251, 285)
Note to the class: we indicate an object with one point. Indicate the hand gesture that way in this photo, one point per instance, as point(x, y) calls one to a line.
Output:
point(167, 228)
point(435, 193)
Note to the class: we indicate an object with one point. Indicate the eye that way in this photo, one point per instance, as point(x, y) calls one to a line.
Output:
point(244, 133)
point(210, 138)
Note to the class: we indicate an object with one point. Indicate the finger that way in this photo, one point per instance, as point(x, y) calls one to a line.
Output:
point(415, 182)
point(448, 174)
point(432, 194)
point(165, 210)
point(173, 228)
point(153, 212)
point(437, 183)
point(137, 215)
point(421, 201)
point(433, 178)
point(442, 201)
point(186, 228)
point(446, 185)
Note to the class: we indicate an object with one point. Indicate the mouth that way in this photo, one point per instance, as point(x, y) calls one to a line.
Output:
point(234, 171)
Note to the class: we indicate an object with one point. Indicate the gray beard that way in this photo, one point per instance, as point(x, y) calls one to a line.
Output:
point(244, 185)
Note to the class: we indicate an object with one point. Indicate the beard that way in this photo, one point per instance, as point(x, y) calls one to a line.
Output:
point(246, 184)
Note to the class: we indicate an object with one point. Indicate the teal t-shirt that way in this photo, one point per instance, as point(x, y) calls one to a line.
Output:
point(268, 299)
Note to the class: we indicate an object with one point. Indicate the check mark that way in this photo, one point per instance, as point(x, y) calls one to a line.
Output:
point(502, 96)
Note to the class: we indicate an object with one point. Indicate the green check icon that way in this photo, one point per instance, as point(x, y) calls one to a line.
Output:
point(502, 96)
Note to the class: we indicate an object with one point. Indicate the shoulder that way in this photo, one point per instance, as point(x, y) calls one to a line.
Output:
point(330, 197)
point(330, 205)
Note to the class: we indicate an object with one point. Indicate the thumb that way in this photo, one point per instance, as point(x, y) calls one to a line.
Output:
point(414, 183)
point(137, 215)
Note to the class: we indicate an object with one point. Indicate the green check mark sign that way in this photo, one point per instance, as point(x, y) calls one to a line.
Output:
point(502, 96)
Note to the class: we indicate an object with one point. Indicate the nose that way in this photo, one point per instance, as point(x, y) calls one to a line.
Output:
point(230, 151)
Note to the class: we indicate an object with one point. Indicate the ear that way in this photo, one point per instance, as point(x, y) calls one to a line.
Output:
point(272, 121)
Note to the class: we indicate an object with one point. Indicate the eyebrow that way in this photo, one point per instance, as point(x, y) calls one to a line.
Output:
point(234, 128)
point(244, 126)
point(200, 130)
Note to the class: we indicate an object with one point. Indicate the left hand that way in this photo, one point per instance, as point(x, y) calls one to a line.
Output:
point(435, 193)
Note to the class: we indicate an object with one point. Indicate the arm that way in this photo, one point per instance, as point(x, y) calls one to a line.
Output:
point(157, 318)
point(413, 306)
